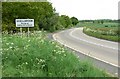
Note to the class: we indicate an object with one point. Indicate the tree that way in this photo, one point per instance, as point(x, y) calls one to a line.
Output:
point(74, 20)
point(102, 21)
point(53, 21)
point(42, 12)
point(65, 21)
point(39, 11)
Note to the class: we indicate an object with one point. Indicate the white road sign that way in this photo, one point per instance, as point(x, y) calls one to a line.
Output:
point(24, 22)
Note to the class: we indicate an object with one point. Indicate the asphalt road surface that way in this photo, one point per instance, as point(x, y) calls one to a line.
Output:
point(102, 52)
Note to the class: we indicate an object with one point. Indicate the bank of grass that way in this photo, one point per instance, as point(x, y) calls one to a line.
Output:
point(35, 56)
point(107, 31)
point(105, 37)
point(99, 25)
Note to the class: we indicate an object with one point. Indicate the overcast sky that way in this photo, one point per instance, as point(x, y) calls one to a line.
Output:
point(87, 9)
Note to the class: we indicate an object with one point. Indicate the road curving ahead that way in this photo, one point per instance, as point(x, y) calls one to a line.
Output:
point(98, 49)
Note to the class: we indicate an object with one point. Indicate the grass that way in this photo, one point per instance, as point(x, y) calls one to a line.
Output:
point(106, 37)
point(98, 25)
point(107, 31)
point(35, 56)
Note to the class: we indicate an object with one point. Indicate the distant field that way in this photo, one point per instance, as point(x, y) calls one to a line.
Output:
point(108, 31)
point(110, 25)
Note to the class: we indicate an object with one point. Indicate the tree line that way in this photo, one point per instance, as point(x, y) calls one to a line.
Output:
point(42, 12)
point(100, 21)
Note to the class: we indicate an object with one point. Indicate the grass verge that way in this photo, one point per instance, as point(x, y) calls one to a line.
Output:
point(107, 31)
point(35, 56)
point(105, 37)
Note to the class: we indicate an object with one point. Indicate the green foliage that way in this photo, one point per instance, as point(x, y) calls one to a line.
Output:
point(96, 25)
point(103, 31)
point(74, 20)
point(100, 21)
point(103, 36)
point(65, 21)
point(42, 12)
point(53, 22)
point(38, 57)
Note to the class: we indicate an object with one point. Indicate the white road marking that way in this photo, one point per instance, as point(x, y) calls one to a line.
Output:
point(54, 37)
point(71, 34)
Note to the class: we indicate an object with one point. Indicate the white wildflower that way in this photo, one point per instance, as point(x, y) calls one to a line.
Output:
point(54, 50)
point(1, 53)
point(26, 63)
point(28, 40)
point(7, 43)
point(65, 55)
point(41, 60)
point(1, 49)
point(10, 47)
point(43, 66)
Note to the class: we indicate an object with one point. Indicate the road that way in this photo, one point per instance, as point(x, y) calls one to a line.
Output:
point(106, 52)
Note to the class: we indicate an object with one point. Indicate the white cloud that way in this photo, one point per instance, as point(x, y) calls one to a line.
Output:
point(87, 9)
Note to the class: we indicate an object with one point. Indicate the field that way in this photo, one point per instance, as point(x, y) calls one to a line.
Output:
point(107, 31)
point(36, 56)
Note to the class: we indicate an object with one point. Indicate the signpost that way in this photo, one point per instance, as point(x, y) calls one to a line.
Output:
point(24, 23)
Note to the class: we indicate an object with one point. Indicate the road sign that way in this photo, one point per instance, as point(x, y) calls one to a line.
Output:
point(24, 22)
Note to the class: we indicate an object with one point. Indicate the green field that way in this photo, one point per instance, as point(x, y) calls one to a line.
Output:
point(107, 24)
point(107, 31)
point(36, 56)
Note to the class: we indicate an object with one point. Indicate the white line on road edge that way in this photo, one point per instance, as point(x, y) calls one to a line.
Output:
point(71, 34)
point(97, 38)
point(84, 53)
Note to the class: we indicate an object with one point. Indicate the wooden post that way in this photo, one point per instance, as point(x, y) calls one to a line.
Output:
point(21, 31)
point(28, 31)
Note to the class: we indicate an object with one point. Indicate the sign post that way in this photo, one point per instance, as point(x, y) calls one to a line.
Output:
point(24, 23)
point(28, 31)
point(21, 31)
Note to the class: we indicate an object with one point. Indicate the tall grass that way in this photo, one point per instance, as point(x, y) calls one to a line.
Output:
point(102, 36)
point(35, 56)
point(98, 25)
point(107, 31)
